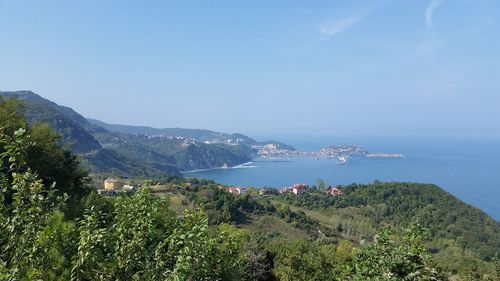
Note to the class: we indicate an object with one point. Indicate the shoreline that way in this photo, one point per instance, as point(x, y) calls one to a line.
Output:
point(240, 166)
point(343, 160)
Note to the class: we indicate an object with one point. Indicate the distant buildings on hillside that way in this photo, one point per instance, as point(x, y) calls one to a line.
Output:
point(237, 190)
point(300, 188)
point(296, 189)
point(272, 149)
point(111, 186)
point(334, 191)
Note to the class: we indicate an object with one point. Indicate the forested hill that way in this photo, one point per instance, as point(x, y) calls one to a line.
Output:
point(200, 135)
point(300, 233)
point(453, 224)
point(136, 151)
point(462, 239)
point(70, 124)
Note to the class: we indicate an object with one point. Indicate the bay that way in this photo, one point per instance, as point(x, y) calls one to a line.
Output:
point(467, 168)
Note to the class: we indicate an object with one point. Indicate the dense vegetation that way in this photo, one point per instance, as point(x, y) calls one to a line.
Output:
point(197, 134)
point(44, 155)
point(54, 231)
point(165, 151)
point(446, 217)
point(67, 122)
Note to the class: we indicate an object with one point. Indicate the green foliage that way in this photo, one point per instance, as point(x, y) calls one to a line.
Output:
point(444, 215)
point(59, 240)
point(395, 257)
point(321, 185)
point(11, 116)
point(159, 155)
point(26, 212)
point(64, 120)
point(300, 260)
point(52, 163)
point(124, 164)
point(224, 207)
point(258, 260)
point(138, 239)
point(298, 219)
point(142, 240)
point(458, 230)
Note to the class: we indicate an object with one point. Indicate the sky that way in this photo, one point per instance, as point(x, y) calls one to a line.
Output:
point(346, 67)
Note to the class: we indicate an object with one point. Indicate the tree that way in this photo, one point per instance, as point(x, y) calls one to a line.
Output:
point(394, 257)
point(141, 239)
point(53, 163)
point(27, 207)
point(321, 184)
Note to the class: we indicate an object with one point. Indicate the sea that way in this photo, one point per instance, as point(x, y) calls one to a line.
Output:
point(467, 168)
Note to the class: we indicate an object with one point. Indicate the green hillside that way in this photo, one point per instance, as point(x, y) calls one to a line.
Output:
point(196, 134)
point(176, 152)
point(64, 120)
point(462, 239)
point(364, 208)
point(136, 151)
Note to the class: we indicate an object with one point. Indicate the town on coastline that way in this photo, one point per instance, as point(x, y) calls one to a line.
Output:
point(341, 152)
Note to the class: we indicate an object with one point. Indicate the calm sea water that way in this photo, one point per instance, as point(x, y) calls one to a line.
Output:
point(468, 169)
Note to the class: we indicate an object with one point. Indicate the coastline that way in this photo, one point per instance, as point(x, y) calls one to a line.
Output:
point(240, 166)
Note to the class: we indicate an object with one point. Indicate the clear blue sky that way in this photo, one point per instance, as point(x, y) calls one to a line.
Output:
point(425, 67)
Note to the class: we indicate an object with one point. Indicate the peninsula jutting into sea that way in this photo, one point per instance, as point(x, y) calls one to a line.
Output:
point(341, 152)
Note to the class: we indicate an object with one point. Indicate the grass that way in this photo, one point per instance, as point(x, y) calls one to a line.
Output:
point(358, 226)
point(272, 224)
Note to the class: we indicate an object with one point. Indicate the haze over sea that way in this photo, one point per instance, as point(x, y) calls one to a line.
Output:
point(467, 168)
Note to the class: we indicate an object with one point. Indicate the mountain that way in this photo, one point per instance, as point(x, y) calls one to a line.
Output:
point(199, 135)
point(65, 120)
point(138, 150)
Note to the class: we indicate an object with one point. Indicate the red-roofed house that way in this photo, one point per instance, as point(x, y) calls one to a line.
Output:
point(334, 191)
point(298, 189)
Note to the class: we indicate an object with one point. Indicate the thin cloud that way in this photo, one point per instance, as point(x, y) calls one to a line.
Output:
point(337, 25)
point(333, 27)
point(429, 12)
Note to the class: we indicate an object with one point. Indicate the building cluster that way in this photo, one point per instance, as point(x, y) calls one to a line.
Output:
point(111, 186)
point(231, 141)
point(300, 188)
point(296, 189)
point(341, 150)
point(239, 190)
point(185, 141)
point(273, 150)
